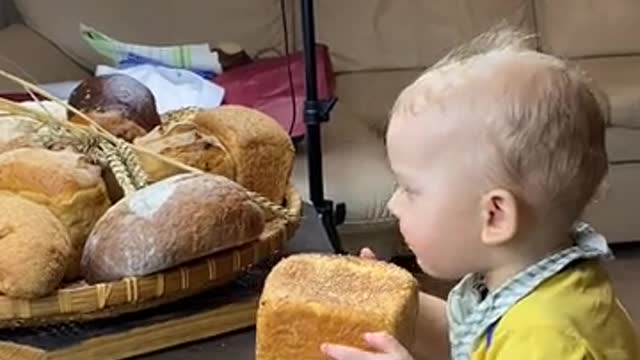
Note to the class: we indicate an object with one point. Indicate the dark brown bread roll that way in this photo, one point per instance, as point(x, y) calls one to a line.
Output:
point(171, 222)
point(123, 99)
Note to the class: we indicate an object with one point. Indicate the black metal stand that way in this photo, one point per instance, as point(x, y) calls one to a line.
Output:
point(316, 112)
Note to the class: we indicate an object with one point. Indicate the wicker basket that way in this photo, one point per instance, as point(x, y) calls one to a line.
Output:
point(81, 302)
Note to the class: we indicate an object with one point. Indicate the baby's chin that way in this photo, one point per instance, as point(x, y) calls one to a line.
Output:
point(440, 273)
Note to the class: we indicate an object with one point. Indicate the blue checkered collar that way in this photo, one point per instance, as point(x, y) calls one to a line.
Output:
point(470, 313)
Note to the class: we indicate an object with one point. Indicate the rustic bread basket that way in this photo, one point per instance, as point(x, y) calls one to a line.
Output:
point(82, 302)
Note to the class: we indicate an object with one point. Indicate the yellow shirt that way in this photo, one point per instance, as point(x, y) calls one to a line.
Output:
point(575, 315)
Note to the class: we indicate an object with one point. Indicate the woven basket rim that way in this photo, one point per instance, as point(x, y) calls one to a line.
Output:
point(88, 302)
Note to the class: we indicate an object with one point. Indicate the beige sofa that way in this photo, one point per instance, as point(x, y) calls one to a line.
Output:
point(378, 46)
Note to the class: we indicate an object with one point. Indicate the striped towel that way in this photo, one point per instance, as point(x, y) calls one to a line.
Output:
point(194, 57)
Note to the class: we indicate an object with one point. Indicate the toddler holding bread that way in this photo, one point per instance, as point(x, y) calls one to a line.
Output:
point(497, 150)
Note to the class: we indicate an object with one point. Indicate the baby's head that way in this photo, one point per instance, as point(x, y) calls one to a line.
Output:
point(497, 149)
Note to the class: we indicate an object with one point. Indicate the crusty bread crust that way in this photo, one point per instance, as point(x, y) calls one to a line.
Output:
point(35, 248)
point(310, 299)
point(240, 143)
point(70, 187)
point(168, 223)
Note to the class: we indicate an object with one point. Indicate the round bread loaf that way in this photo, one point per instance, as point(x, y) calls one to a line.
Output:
point(168, 223)
point(120, 104)
point(237, 142)
point(35, 248)
point(115, 123)
point(62, 181)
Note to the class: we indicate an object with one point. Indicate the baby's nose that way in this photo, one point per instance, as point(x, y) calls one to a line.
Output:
point(391, 204)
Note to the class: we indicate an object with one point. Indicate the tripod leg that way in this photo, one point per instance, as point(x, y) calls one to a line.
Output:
point(316, 111)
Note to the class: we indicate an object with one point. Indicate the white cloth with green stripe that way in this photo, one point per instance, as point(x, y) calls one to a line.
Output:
point(197, 57)
point(177, 76)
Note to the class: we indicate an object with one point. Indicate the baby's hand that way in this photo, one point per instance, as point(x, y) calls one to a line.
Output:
point(388, 347)
point(367, 253)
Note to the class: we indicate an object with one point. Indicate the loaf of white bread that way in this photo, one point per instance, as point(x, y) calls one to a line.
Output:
point(311, 299)
point(234, 141)
point(69, 186)
point(35, 248)
point(168, 223)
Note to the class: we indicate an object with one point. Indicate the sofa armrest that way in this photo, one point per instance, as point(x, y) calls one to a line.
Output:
point(29, 56)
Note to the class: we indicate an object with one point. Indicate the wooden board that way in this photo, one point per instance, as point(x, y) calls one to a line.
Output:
point(212, 313)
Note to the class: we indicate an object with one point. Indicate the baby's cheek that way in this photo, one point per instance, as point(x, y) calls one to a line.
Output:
point(412, 231)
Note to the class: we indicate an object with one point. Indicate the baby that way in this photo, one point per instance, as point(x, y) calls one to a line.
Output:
point(497, 150)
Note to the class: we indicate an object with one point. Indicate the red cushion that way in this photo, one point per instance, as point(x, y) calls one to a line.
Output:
point(264, 85)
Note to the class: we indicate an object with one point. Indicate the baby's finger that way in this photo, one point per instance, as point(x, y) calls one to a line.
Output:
point(339, 352)
point(367, 253)
point(387, 344)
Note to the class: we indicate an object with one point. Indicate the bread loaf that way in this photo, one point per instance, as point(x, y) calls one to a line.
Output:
point(114, 122)
point(240, 143)
point(35, 248)
point(168, 223)
point(119, 103)
point(189, 143)
point(311, 299)
point(17, 131)
point(70, 187)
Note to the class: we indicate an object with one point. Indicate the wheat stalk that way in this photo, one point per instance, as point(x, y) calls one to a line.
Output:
point(130, 161)
point(278, 210)
point(118, 167)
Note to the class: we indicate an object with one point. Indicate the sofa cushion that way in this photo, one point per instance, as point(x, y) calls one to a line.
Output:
point(370, 94)
point(578, 28)
point(355, 170)
point(615, 211)
point(27, 55)
point(615, 214)
point(619, 77)
point(384, 34)
point(254, 25)
point(623, 145)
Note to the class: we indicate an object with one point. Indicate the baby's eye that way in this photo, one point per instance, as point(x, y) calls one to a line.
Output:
point(405, 190)
point(408, 192)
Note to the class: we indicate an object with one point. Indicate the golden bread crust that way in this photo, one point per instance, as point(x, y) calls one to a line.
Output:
point(169, 223)
point(35, 248)
point(71, 188)
point(310, 299)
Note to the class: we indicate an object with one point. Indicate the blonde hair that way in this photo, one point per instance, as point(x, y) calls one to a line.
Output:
point(546, 136)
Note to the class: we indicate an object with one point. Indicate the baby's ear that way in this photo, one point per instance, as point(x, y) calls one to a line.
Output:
point(499, 217)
